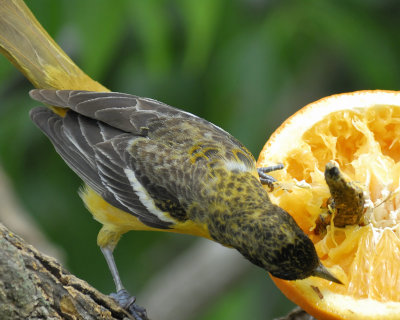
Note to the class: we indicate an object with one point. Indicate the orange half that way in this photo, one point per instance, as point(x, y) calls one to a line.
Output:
point(360, 131)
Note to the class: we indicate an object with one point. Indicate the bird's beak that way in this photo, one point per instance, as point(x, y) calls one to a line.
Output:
point(323, 273)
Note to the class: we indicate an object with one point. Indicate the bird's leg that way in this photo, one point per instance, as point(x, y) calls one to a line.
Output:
point(124, 299)
point(266, 178)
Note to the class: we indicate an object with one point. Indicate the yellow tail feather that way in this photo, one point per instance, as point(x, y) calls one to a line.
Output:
point(29, 47)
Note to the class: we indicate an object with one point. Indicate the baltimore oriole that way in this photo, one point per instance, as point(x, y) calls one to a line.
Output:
point(149, 166)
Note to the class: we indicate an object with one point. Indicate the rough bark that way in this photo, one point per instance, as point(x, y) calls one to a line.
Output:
point(36, 286)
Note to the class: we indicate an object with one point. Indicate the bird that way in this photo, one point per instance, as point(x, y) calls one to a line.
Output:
point(149, 166)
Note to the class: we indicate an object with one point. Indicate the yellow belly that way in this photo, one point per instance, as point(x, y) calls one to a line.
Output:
point(116, 221)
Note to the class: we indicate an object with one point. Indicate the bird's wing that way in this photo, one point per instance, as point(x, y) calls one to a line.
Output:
point(92, 150)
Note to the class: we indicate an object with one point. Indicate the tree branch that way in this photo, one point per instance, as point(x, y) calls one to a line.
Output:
point(33, 285)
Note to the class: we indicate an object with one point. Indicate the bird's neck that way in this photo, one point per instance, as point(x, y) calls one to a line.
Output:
point(247, 230)
point(237, 213)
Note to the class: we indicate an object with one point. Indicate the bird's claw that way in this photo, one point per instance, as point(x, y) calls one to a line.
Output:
point(126, 301)
point(265, 178)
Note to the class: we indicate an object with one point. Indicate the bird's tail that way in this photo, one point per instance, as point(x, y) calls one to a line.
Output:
point(25, 43)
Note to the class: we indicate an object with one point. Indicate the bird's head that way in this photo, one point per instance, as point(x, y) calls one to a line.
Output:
point(270, 238)
point(289, 253)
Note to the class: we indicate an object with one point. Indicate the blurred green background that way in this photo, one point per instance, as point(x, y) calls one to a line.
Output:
point(245, 65)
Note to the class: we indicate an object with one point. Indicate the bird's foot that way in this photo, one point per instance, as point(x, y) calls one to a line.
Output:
point(126, 301)
point(265, 178)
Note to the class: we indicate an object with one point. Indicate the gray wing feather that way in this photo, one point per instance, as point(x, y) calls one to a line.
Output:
point(93, 151)
point(123, 111)
point(119, 110)
point(52, 126)
point(110, 168)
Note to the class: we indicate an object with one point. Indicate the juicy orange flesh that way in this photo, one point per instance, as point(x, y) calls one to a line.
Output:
point(365, 144)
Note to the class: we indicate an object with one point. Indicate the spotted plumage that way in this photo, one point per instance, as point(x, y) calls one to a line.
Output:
point(155, 167)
